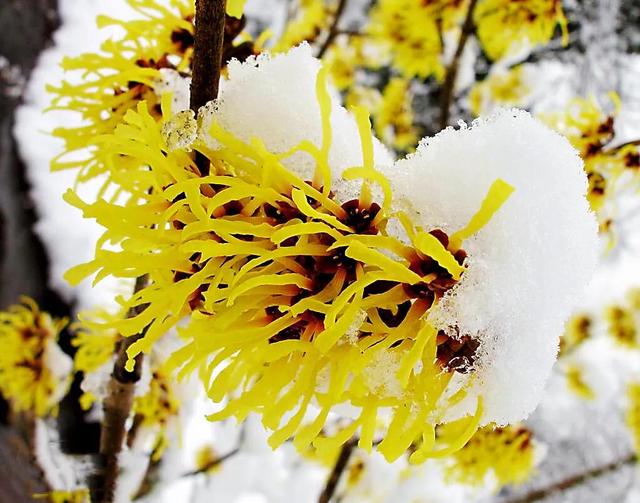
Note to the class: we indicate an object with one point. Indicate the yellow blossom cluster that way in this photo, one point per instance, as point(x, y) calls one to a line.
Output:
point(622, 322)
point(503, 88)
point(61, 496)
point(29, 379)
point(296, 301)
point(506, 453)
point(152, 52)
point(506, 26)
point(410, 33)
point(311, 18)
point(157, 407)
point(393, 117)
point(577, 330)
point(609, 167)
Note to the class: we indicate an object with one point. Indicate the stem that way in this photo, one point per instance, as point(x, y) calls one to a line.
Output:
point(336, 472)
point(452, 70)
point(207, 52)
point(333, 29)
point(212, 464)
point(574, 480)
point(117, 406)
point(207, 60)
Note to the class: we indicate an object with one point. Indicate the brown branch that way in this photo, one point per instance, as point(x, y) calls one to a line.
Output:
point(338, 469)
point(207, 60)
point(212, 464)
point(117, 406)
point(207, 52)
point(333, 29)
point(452, 70)
point(574, 480)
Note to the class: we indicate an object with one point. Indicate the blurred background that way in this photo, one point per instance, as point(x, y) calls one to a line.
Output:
point(418, 66)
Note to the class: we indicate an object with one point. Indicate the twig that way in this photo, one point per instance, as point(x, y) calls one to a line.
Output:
point(452, 70)
point(207, 60)
point(333, 29)
point(336, 473)
point(574, 480)
point(207, 52)
point(117, 406)
point(213, 463)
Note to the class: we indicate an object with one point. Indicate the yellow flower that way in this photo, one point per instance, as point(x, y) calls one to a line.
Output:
point(622, 326)
point(578, 329)
point(506, 89)
point(312, 17)
point(633, 413)
point(76, 496)
point(505, 26)
point(577, 384)
point(507, 453)
point(96, 345)
point(126, 71)
point(295, 301)
point(591, 130)
point(156, 407)
point(393, 117)
point(360, 96)
point(33, 368)
point(410, 31)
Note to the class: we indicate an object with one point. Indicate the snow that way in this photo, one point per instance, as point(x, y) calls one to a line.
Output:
point(527, 266)
point(274, 98)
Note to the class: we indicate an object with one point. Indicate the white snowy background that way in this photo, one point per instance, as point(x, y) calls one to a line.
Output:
point(578, 434)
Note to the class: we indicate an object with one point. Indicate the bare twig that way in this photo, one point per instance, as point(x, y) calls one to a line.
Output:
point(338, 469)
point(452, 71)
point(207, 52)
point(117, 406)
point(207, 60)
point(213, 463)
point(333, 29)
point(574, 480)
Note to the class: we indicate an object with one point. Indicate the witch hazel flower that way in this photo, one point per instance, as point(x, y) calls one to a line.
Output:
point(312, 275)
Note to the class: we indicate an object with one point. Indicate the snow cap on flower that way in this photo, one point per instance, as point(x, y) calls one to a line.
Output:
point(527, 266)
point(274, 98)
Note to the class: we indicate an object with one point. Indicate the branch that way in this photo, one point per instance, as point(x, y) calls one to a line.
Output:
point(207, 60)
point(207, 52)
point(452, 70)
point(338, 469)
point(212, 464)
point(333, 29)
point(117, 406)
point(575, 480)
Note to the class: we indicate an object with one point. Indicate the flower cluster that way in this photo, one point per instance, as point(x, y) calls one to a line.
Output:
point(505, 27)
point(410, 33)
point(151, 56)
point(76, 496)
point(34, 372)
point(610, 168)
point(506, 454)
point(622, 320)
point(326, 295)
point(502, 88)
